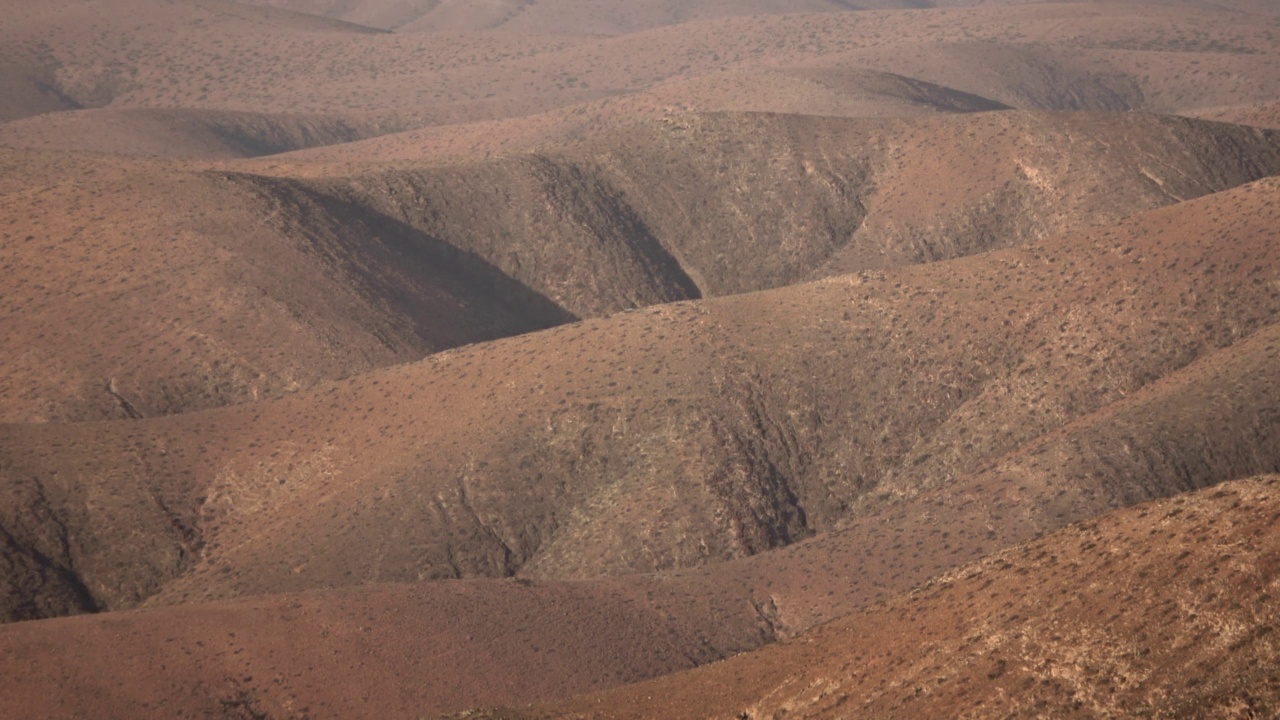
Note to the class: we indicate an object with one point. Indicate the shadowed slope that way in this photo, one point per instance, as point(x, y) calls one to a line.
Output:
point(548, 17)
point(231, 57)
point(745, 202)
point(1210, 422)
point(182, 133)
point(797, 91)
point(145, 288)
point(438, 647)
point(366, 269)
point(1162, 610)
point(663, 438)
point(385, 651)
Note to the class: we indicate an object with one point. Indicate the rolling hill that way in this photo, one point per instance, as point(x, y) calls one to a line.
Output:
point(222, 56)
point(1103, 635)
point(664, 438)
point(560, 17)
point(510, 359)
point(181, 133)
point(143, 288)
point(394, 649)
point(184, 286)
point(439, 647)
point(1261, 115)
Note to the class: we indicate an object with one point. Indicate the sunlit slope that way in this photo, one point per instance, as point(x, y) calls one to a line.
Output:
point(1163, 610)
point(218, 55)
point(1203, 425)
point(312, 278)
point(144, 288)
point(669, 437)
point(182, 133)
point(744, 201)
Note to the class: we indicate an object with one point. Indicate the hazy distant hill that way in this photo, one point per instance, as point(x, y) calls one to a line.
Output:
point(550, 17)
point(219, 55)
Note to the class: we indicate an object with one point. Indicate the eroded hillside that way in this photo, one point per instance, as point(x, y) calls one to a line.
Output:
point(406, 358)
point(663, 438)
point(152, 287)
point(1105, 633)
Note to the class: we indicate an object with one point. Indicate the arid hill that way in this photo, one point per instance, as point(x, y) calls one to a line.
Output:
point(385, 651)
point(599, 633)
point(180, 287)
point(792, 91)
point(665, 438)
point(383, 14)
point(144, 288)
point(1181, 433)
point(1265, 115)
point(732, 359)
point(799, 197)
point(1163, 610)
point(554, 17)
point(224, 56)
point(182, 133)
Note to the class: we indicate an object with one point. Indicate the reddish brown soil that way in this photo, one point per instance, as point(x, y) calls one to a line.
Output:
point(144, 288)
point(664, 438)
point(713, 359)
point(1164, 610)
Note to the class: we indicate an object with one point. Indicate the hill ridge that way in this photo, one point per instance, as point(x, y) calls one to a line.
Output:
point(643, 415)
